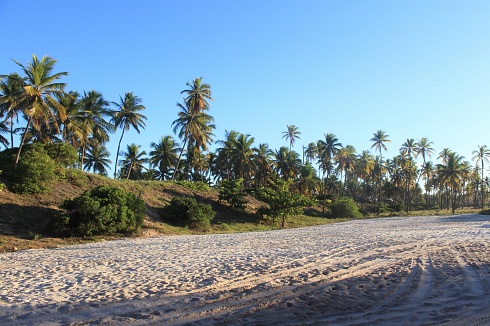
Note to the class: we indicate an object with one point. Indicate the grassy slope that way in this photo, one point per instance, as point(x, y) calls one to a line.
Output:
point(23, 218)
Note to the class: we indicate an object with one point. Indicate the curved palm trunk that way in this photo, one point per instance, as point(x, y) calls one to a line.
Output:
point(482, 187)
point(22, 142)
point(178, 161)
point(11, 131)
point(117, 154)
point(129, 172)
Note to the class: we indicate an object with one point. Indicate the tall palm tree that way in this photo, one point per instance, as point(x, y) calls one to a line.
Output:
point(291, 134)
point(452, 173)
point(11, 91)
point(198, 95)
point(132, 164)
point(482, 155)
point(379, 139)
point(164, 156)
point(3, 129)
point(126, 117)
point(327, 149)
point(410, 147)
point(346, 158)
point(38, 101)
point(263, 164)
point(242, 156)
point(194, 128)
point(287, 163)
point(424, 148)
point(97, 158)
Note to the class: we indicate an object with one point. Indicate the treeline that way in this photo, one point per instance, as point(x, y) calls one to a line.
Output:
point(36, 106)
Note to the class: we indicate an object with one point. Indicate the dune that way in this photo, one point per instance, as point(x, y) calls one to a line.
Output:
point(386, 271)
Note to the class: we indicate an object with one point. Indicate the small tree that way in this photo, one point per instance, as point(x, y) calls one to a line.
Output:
point(231, 192)
point(282, 201)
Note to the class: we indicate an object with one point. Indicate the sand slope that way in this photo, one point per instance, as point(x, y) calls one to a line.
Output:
point(403, 271)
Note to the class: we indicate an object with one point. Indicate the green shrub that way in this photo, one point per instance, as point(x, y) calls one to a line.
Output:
point(104, 210)
point(35, 173)
point(186, 211)
point(344, 207)
point(2, 186)
point(231, 192)
point(63, 154)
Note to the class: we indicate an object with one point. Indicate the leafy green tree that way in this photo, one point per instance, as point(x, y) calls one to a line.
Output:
point(127, 116)
point(283, 202)
point(291, 134)
point(482, 155)
point(231, 192)
point(39, 99)
point(164, 156)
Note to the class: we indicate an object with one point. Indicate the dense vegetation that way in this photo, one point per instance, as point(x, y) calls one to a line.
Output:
point(74, 128)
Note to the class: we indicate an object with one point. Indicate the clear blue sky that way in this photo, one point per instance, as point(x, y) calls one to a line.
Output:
point(412, 68)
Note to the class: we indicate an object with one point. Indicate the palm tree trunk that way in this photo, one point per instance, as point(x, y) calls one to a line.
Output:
point(11, 131)
point(178, 161)
point(117, 154)
point(482, 186)
point(22, 143)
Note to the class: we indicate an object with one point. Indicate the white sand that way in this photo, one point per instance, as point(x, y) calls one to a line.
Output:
point(396, 271)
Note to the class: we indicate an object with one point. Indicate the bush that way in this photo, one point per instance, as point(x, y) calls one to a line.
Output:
point(36, 172)
point(63, 154)
point(231, 192)
point(186, 211)
point(2, 186)
point(344, 207)
point(194, 185)
point(104, 210)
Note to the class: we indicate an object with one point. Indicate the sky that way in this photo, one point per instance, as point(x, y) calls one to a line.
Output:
point(418, 68)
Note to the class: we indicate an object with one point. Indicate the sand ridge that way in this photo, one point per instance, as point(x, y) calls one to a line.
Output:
point(405, 271)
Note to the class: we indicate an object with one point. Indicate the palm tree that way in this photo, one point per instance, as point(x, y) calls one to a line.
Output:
point(452, 173)
point(198, 95)
point(11, 90)
point(132, 164)
point(3, 129)
point(346, 158)
point(287, 163)
point(307, 180)
point(263, 164)
point(242, 157)
point(326, 152)
point(194, 128)
point(97, 158)
point(127, 116)
point(409, 146)
point(291, 134)
point(38, 100)
point(481, 155)
point(379, 139)
point(164, 156)
point(424, 148)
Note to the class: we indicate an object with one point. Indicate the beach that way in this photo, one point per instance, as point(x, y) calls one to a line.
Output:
point(386, 271)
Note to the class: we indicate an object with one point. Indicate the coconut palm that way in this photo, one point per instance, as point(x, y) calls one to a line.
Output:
point(410, 147)
point(482, 155)
point(194, 128)
point(327, 150)
point(164, 156)
point(287, 163)
point(198, 95)
point(4, 129)
point(126, 117)
point(291, 134)
point(452, 173)
point(379, 139)
point(242, 157)
point(424, 148)
point(97, 158)
point(132, 164)
point(307, 181)
point(346, 157)
point(11, 91)
point(263, 165)
point(39, 99)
